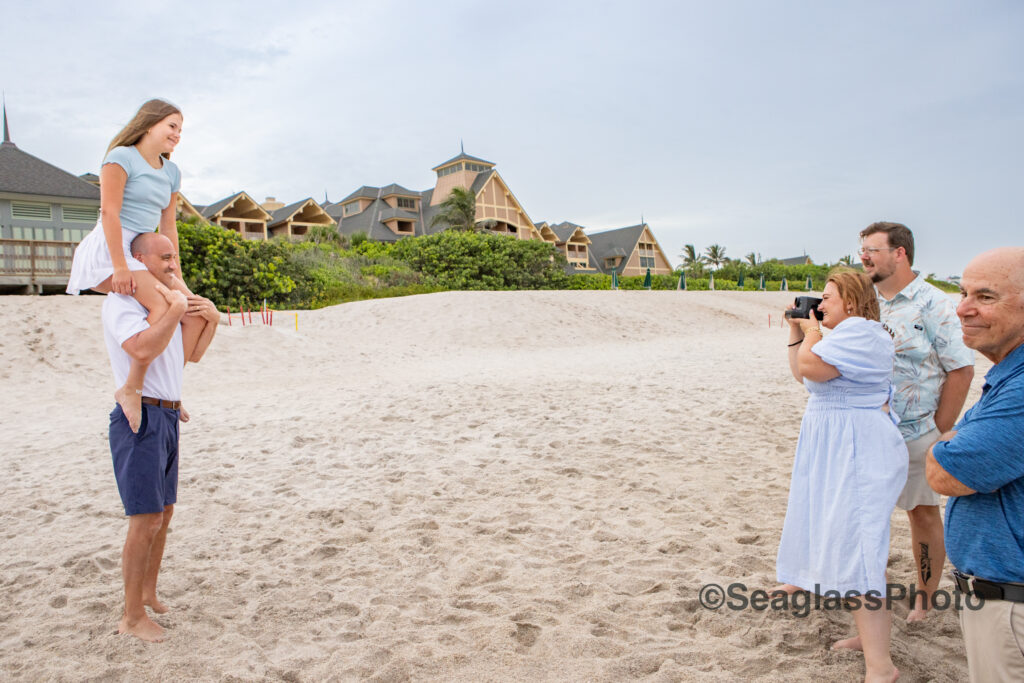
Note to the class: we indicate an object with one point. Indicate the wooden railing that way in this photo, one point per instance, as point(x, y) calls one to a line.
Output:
point(32, 262)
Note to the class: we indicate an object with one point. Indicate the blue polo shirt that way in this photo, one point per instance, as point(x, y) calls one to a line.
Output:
point(985, 530)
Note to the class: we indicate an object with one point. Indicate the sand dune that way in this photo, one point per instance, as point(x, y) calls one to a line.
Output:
point(460, 486)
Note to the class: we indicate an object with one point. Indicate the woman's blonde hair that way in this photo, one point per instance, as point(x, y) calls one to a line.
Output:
point(149, 114)
point(857, 292)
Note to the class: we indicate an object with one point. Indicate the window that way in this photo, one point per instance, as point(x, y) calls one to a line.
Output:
point(351, 208)
point(479, 168)
point(406, 203)
point(23, 233)
point(454, 168)
point(74, 234)
point(31, 211)
point(646, 262)
point(80, 214)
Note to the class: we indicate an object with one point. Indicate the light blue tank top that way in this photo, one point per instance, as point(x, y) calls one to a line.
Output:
point(147, 191)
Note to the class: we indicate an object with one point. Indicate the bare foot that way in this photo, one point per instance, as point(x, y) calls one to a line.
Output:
point(183, 414)
point(130, 401)
point(144, 629)
point(917, 615)
point(786, 588)
point(849, 644)
point(887, 677)
point(155, 605)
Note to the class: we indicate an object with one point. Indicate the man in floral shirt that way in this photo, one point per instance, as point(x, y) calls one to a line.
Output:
point(933, 373)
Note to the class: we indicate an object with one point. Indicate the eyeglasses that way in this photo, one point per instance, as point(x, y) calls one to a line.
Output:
point(871, 251)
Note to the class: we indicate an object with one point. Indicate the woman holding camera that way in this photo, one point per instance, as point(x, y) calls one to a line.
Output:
point(850, 464)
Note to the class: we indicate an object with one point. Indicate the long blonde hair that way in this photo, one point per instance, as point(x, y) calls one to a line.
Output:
point(149, 114)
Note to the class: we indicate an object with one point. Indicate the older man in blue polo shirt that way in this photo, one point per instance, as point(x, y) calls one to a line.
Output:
point(980, 466)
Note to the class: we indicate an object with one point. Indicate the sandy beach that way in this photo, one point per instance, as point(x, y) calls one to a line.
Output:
point(460, 486)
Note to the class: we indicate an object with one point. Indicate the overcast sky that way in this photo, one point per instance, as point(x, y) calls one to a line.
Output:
point(774, 127)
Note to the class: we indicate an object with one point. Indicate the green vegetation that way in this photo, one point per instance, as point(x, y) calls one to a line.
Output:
point(231, 271)
point(458, 210)
point(328, 268)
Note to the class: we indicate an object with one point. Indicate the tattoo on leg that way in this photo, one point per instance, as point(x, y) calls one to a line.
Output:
point(926, 565)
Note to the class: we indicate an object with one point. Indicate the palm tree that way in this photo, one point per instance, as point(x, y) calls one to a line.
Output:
point(846, 260)
point(693, 263)
point(458, 211)
point(752, 258)
point(715, 255)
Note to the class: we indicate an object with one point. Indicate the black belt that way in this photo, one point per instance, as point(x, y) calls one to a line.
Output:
point(988, 590)
point(159, 402)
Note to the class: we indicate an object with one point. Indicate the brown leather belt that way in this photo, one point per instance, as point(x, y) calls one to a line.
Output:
point(988, 590)
point(160, 403)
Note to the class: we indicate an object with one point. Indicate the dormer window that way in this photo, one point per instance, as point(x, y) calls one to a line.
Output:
point(351, 208)
point(406, 203)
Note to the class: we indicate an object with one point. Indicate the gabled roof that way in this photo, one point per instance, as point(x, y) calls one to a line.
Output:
point(611, 243)
point(564, 231)
point(218, 206)
point(463, 157)
point(287, 212)
point(794, 261)
point(22, 173)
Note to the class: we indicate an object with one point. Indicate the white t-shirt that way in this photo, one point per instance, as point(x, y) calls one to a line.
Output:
point(123, 318)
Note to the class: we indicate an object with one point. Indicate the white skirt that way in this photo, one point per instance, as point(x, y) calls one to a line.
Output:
point(92, 264)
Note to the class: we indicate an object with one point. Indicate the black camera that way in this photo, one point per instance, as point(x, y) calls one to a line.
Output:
point(805, 306)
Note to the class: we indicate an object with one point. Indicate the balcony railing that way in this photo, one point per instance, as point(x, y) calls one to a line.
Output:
point(30, 262)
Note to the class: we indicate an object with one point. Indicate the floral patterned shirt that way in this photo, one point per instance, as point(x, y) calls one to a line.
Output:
point(929, 344)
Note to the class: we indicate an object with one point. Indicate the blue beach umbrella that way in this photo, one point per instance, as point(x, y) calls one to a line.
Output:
point(739, 281)
point(761, 286)
point(784, 287)
point(615, 279)
point(809, 284)
point(647, 279)
point(682, 281)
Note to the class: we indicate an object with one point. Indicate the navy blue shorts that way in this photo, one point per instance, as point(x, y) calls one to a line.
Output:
point(145, 464)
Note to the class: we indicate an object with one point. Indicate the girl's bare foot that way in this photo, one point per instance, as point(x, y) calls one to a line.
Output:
point(144, 629)
point(130, 401)
point(887, 677)
point(849, 644)
point(155, 605)
point(183, 414)
point(786, 588)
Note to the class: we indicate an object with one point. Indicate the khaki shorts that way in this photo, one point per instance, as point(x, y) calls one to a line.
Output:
point(917, 491)
point(994, 636)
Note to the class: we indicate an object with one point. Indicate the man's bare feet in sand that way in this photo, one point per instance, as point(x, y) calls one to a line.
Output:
point(144, 629)
point(183, 414)
point(130, 401)
point(786, 588)
point(849, 644)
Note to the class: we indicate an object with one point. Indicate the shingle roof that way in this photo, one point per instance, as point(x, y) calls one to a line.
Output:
point(395, 188)
point(286, 212)
point(794, 261)
point(609, 243)
point(481, 180)
point(212, 209)
point(364, 191)
point(463, 157)
point(22, 173)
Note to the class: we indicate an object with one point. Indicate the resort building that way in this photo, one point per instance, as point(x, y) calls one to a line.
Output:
point(44, 212)
point(238, 212)
point(295, 220)
point(391, 212)
point(573, 243)
point(628, 251)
